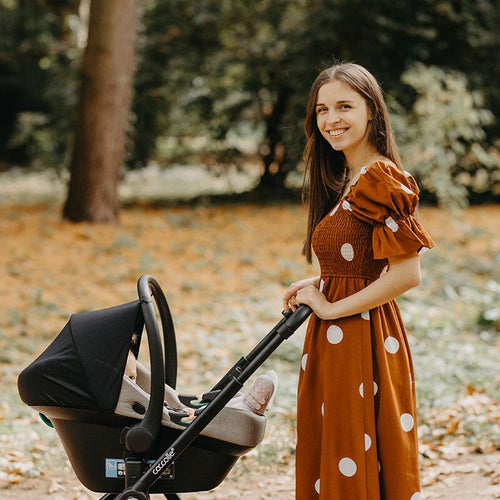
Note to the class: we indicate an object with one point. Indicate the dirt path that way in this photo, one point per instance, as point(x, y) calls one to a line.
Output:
point(469, 477)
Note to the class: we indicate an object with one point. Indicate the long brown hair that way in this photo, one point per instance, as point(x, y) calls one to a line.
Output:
point(326, 174)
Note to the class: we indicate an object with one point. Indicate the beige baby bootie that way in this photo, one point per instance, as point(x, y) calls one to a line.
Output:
point(260, 396)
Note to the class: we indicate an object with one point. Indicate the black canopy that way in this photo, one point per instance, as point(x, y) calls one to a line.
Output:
point(83, 367)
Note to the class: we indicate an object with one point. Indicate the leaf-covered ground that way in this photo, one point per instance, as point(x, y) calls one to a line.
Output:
point(224, 269)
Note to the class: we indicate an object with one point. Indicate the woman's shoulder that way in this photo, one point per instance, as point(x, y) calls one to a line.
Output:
point(391, 175)
point(384, 168)
point(382, 185)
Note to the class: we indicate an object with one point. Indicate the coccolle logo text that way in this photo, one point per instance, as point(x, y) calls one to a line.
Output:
point(170, 454)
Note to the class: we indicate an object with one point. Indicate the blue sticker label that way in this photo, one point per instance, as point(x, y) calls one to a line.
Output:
point(115, 467)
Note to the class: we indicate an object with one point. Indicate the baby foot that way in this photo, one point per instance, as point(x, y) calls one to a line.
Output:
point(260, 395)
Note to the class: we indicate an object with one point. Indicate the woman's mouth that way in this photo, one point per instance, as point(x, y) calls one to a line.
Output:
point(336, 132)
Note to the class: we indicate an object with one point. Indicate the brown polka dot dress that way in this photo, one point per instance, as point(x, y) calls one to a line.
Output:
point(356, 426)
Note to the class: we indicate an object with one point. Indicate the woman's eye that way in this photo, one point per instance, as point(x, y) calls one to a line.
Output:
point(345, 106)
point(320, 110)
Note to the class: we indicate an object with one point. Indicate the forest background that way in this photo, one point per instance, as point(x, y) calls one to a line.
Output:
point(207, 180)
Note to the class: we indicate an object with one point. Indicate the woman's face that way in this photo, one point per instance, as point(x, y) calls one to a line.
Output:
point(342, 116)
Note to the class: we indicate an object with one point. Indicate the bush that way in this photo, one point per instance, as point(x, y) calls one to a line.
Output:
point(442, 136)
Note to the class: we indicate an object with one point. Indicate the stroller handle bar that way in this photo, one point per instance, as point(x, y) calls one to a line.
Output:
point(293, 319)
point(223, 392)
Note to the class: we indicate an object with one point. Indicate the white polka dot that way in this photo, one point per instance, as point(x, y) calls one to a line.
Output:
point(362, 171)
point(346, 205)
point(334, 334)
point(347, 466)
point(366, 315)
point(368, 442)
point(391, 224)
point(304, 361)
point(406, 189)
point(316, 486)
point(362, 392)
point(406, 422)
point(335, 209)
point(321, 285)
point(323, 409)
point(416, 496)
point(391, 345)
point(347, 251)
point(423, 250)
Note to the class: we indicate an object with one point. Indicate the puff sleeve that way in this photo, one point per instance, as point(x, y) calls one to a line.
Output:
point(386, 197)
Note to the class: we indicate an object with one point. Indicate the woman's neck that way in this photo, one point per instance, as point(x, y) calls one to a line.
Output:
point(355, 160)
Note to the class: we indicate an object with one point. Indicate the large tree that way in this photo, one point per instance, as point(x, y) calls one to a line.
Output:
point(102, 118)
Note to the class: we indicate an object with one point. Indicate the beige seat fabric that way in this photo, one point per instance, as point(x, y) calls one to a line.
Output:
point(232, 425)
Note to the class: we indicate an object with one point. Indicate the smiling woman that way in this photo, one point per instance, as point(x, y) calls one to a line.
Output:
point(343, 118)
point(356, 407)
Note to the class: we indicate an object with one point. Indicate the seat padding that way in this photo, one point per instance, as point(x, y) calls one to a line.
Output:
point(232, 425)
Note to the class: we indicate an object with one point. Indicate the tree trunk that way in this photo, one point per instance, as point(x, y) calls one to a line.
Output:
point(101, 123)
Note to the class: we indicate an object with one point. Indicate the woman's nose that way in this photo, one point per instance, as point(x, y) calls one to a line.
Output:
point(332, 117)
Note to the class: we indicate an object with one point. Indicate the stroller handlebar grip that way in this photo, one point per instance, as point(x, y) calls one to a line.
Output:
point(288, 327)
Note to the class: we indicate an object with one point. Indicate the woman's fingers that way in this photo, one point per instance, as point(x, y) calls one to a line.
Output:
point(305, 294)
point(290, 297)
point(289, 294)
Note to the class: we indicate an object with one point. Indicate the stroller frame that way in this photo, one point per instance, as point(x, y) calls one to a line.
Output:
point(220, 394)
point(140, 437)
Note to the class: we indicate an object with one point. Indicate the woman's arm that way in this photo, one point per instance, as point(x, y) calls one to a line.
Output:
point(402, 275)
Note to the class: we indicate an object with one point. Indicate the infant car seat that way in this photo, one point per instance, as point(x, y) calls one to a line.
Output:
point(129, 438)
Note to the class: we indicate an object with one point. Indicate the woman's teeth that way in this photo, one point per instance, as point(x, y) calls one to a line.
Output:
point(337, 132)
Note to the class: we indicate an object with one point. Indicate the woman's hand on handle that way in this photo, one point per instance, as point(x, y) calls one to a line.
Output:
point(290, 294)
point(311, 296)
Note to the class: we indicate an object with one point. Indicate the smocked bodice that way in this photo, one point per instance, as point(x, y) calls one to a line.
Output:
point(343, 246)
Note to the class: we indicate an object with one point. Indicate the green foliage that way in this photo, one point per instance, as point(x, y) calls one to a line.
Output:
point(443, 133)
point(230, 74)
point(221, 82)
point(33, 134)
point(37, 79)
point(239, 73)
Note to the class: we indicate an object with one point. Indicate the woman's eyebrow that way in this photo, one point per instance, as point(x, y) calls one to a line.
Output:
point(342, 101)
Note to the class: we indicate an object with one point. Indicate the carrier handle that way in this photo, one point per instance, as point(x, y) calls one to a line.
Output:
point(147, 286)
point(141, 437)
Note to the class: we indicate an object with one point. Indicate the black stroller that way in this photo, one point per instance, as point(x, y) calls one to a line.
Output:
point(129, 439)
